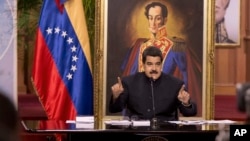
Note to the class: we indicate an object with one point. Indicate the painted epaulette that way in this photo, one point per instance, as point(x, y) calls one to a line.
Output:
point(179, 44)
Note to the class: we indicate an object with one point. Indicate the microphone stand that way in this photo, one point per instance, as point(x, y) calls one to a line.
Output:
point(154, 121)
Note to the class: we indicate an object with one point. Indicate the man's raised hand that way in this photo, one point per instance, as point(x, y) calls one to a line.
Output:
point(183, 95)
point(117, 88)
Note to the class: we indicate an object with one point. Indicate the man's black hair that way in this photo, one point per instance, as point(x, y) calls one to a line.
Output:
point(164, 9)
point(151, 51)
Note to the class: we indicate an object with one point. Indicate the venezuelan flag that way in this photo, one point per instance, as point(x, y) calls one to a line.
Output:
point(61, 73)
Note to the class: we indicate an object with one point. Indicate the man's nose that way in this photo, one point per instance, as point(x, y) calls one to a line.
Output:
point(154, 21)
point(154, 67)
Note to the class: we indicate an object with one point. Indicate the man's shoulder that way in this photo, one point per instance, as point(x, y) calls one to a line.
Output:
point(179, 44)
point(170, 77)
point(135, 77)
point(230, 41)
point(137, 44)
point(177, 39)
point(140, 41)
point(136, 74)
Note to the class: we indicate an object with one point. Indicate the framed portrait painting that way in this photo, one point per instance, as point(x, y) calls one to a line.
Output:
point(122, 26)
point(227, 22)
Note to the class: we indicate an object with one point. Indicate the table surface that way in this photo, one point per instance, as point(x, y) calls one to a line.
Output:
point(56, 126)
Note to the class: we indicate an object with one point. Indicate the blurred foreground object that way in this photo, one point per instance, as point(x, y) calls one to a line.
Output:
point(243, 98)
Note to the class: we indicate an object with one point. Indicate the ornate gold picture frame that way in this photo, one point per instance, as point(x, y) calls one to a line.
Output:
point(119, 23)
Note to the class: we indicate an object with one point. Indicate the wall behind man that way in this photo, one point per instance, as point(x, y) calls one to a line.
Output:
point(230, 60)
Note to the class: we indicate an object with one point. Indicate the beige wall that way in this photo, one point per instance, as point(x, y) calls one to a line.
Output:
point(230, 61)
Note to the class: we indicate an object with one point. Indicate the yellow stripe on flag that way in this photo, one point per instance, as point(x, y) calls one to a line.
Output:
point(76, 14)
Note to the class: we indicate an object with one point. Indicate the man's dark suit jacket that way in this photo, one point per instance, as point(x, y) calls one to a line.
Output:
point(138, 102)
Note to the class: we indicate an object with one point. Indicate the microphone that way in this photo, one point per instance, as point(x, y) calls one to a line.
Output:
point(152, 94)
point(154, 121)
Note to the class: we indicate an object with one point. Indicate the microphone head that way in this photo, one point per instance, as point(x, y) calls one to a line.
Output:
point(151, 79)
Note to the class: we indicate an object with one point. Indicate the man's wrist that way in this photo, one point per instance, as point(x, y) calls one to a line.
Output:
point(186, 104)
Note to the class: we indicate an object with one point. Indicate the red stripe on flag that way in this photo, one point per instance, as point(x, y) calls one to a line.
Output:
point(49, 86)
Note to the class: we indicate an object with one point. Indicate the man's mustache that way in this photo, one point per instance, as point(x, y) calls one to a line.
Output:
point(153, 72)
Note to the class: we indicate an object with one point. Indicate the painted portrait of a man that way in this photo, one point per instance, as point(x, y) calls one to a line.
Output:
point(176, 27)
point(227, 21)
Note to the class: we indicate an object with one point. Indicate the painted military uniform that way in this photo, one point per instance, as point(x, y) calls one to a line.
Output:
point(173, 51)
